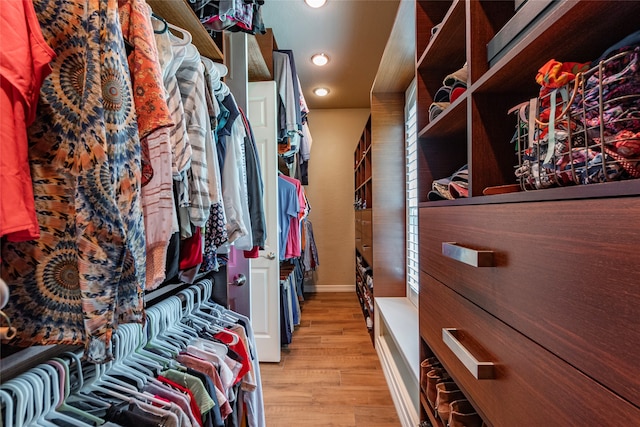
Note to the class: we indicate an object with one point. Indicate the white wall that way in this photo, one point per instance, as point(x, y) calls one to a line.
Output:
point(330, 191)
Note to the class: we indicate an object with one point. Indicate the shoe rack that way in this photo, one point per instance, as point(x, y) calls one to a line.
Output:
point(363, 201)
point(523, 293)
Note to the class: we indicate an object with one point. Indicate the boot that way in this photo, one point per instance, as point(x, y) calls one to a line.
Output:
point(435, 376)
point(463, 415)
point(447, 392)
point(425, 366)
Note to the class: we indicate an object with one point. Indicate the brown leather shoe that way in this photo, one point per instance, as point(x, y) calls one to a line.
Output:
point(463, 415)
point(447, 392)
point(425, 366)
point(435, 376)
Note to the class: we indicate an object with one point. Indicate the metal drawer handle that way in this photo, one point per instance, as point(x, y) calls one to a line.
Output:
point(469, 256)
point(480, 370)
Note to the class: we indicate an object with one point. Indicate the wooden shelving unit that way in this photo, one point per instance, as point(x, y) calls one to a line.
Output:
point(534, 307)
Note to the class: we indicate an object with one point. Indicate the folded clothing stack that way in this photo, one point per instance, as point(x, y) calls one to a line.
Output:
point(454, 187)
point(453, 86)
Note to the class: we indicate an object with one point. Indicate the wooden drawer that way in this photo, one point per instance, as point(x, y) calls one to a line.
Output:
point(567, 275)
point(531, 386)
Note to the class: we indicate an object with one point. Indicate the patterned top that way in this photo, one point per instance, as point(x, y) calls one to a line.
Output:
point(87, 271)
point(146, 76)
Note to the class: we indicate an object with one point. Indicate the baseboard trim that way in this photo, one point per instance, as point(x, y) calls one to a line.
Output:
point(339, 288)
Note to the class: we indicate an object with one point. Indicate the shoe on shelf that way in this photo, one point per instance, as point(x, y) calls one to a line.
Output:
point(435, 376)
point(447, 392)
point(462, 414)
point(425, 366)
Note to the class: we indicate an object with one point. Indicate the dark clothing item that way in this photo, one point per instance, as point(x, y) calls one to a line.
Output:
point(129, 415)
point(213, 418)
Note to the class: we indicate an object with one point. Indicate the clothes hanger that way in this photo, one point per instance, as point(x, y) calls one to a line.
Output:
point(209, 328)
point(206, 302)
point(149, 356)
point(77, 379)
point(41, 396)
point(53, 398)
point(155, 341)
point(171, 313)
point(117, 367)
point(209, 324)
point(161, 19)
point(198, 293)
point(25, 405)
point(177, 41)
point(6, 402)
point(179, 311)
point(63, 406)
point(98, 383)
point(133, 359)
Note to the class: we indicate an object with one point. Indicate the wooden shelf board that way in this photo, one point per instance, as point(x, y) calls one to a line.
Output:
point(179, 13)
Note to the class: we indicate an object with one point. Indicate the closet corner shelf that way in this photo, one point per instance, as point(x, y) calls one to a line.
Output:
point(452, 121)
point(179, 13)
point(453, 25)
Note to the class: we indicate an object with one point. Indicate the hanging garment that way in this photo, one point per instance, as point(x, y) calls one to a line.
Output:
point(216, 232)
point(191, 83)
point(294, 242)
point(154, 123)
point(171, 51)
point(234, 182)
point(24, 64)
point(86, 273)
point(288, 209)
point(255, 187)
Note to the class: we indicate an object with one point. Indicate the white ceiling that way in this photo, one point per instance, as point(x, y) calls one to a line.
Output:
point(353, 33)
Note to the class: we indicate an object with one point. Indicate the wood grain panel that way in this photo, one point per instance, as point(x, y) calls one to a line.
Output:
point(532, 387)
point(397, 65)
point(566, 276)
point(388, 214)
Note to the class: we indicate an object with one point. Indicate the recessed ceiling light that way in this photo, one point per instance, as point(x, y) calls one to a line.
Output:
point(315, 3)
point(320, 59)
point(321, 91)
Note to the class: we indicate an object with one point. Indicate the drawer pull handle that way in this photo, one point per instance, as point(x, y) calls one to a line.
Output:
point(480, 370)
point(469, 256)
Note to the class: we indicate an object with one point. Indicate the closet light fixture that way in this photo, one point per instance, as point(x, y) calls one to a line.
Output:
point(315, 3)
point(321, 91)
point(320, 59)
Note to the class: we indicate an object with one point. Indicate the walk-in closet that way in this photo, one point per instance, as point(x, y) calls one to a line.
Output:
point(313, 213)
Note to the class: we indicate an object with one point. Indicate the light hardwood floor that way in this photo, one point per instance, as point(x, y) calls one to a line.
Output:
point(330, 374)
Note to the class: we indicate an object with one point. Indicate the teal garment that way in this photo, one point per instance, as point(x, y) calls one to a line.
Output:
point(199, 391)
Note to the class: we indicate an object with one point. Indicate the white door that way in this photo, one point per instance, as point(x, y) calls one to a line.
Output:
point(265, 270)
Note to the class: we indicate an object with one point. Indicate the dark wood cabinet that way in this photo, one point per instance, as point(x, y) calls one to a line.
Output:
point(555, 307)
